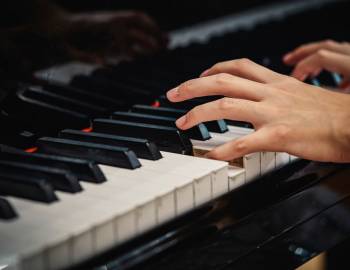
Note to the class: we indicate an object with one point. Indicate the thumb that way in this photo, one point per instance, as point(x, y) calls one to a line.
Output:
point(261, 140)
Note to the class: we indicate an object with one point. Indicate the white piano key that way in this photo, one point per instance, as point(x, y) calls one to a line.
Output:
point(236, 177)
point(166, 207)
point(184, 199)
point(94, 220)
point(251, 164)
point(105, 236)
point(125, 226)
point(163, 186)
point(292, 158)
point(200, 170)
point(268, 162)
point(240, 130)
point(67, 222)
point(282, 159)
point(146, 217)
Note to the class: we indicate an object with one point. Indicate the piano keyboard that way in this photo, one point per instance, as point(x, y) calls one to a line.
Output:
point(82, 192)
point(132, 200)
point(101, 216)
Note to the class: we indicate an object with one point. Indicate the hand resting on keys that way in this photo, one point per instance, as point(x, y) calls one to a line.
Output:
point(310, 59)
point(288, 115)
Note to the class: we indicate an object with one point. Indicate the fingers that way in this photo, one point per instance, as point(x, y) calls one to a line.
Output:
point(220, 84)
point(322, 59)
point(225, 108)
point(246, 69)
point(258, 141)
point(304, 51)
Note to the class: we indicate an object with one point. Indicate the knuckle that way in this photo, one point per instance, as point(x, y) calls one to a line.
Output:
point(288, 80)
point(222, 78)
point(243, 63)
point(192, 114)
point(225, 104)
point(215, 154)
point(241, 146)
point(328, 42)
point(216, 68)
point(282, 133)
point(322, 53)
point(186, 86)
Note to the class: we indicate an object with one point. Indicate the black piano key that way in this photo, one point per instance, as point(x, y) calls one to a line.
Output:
point(198, 132)
point(108, 103)
point(238, 123)
point(59, 100)
point(41, 116)
point(330, 79)
point(17, 184)
point(314, 81)
point(15, 135)
point(136, 81)
point(143, 148)
point(100, 153)
point(218, 126)
point(127, 93)
point(163, 111)
point(6, 210)
point(85, 170)
point(167, 138)
point(187, 104)
point(60, 179)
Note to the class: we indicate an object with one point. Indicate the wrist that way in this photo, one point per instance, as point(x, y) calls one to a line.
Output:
point(342, 129)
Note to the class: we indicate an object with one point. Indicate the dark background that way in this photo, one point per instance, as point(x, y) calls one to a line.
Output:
point(171, 14)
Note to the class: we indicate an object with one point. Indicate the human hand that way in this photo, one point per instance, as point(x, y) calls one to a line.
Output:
point(95, 36)
point(310, 59)
point(288, 115)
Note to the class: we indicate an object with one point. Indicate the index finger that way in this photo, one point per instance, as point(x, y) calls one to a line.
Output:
point(225, 108)
point(220, 84)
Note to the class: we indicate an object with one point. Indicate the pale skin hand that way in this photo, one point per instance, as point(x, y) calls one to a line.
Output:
point(288, 115)
point(310, 59)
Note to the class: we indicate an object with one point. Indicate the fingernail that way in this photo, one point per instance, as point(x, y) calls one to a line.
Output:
point(181, 121)
point(204, 73)
point(173, 93)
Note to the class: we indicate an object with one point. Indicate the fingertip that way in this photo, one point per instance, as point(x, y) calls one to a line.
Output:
point(297, 74)
point(211, 155)
point(300, 76)
point(180, 123)
point(173, 94)
point(287, 58)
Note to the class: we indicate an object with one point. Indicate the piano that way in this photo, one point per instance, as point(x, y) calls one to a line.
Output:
point(95, 175)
